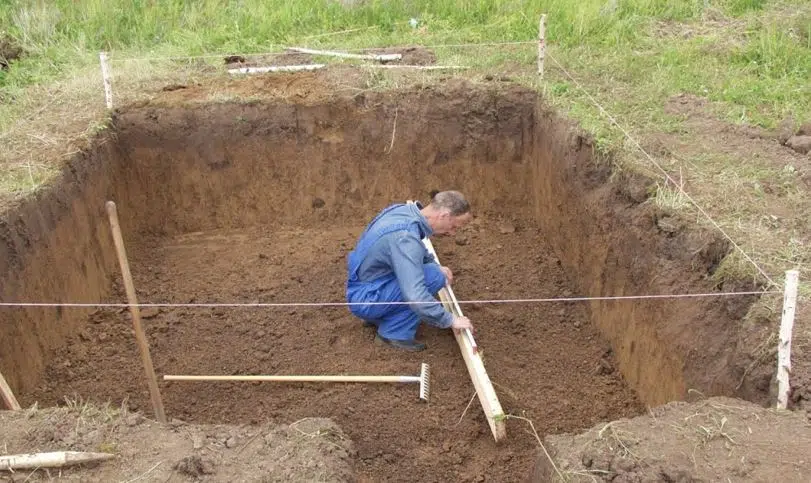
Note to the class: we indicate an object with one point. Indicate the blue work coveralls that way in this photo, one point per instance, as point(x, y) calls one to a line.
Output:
point(391, 264)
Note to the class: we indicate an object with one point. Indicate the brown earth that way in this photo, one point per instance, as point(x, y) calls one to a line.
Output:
point(292, 176)
point(718, 439)
point(532, 352)
point(312, 449)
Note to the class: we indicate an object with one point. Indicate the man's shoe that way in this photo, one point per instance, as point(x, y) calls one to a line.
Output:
point(407, 345)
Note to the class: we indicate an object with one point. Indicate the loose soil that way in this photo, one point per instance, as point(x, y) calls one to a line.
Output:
point(718, 439)
point(532, 352)
point(312, 449)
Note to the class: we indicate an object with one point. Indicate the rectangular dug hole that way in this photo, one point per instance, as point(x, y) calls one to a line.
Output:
point(261, 202)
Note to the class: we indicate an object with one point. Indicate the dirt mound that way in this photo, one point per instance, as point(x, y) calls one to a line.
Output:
point(311, 449)
point(9, 52)
point(712, 440)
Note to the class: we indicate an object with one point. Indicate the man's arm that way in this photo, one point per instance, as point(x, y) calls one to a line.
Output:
point(407, 255)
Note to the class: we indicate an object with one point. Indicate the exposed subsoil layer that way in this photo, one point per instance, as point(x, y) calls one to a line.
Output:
point(534, 353)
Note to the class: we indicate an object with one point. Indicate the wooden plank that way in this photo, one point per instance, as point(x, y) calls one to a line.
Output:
point(276, 68)
point(140, 337)
point(8, 395)
point(378, 57)
point(475, 366)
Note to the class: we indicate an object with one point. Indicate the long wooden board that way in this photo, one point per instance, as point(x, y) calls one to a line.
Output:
point(475, 366)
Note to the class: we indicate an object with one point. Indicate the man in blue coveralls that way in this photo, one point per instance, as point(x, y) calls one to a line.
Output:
point(391, 264)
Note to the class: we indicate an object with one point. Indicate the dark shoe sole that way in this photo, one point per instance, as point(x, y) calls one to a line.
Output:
point(417, 347)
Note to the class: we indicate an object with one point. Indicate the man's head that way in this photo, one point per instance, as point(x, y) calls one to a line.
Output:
point(447, 212)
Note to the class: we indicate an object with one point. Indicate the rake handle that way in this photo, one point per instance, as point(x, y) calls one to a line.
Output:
point(296, 378)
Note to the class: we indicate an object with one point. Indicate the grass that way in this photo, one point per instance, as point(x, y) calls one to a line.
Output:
point(749, 59)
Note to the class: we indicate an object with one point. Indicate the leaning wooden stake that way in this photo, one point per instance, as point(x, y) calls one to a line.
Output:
point(7, 395)
point(56, 459)
point(475, 366)
point(541, 44)
point(154, 393)
point(784, 344)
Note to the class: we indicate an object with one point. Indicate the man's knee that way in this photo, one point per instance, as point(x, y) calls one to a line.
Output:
point(434, 278)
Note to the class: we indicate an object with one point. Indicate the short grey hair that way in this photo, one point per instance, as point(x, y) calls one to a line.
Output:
point(452, 201)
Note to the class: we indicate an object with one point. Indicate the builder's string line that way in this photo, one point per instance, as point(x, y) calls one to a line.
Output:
point(281, 53)
point(664, 172)
point(346, 304)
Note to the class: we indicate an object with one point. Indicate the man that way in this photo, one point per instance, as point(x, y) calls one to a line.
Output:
point(391, 264)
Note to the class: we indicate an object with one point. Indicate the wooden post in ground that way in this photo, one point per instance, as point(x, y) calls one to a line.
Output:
point(7, 395)
point(784, 344)
point(154, 393)
point(541, 44)
point(105, 78)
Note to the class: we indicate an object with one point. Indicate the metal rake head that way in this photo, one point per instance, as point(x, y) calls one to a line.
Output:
point(425, 381)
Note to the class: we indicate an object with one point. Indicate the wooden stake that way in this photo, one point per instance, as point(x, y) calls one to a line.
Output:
point(154, 393)
point(105, 77)
point(54, 459)
point(541, 44)
point(784, 344)
point(7, 395)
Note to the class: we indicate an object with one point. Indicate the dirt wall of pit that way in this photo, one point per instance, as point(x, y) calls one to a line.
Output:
point(178, 167)
point(55, 247)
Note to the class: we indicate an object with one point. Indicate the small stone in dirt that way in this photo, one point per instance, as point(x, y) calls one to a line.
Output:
point(231, 442)
point(461, 240)
point(577, 325)
point(506, 228)
point(176, 423)
point(197, 441)
point(133, 420)
point(262, 256)
point(801, 144)
point(318, 203)
point(150, 312)
point(620, 464)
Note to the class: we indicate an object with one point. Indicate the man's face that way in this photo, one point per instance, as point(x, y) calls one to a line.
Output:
point(447, 224)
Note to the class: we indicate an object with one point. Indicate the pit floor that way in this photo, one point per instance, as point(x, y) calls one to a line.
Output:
point(547, 362)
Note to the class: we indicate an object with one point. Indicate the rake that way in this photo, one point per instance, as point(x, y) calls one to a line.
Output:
point(424, 379)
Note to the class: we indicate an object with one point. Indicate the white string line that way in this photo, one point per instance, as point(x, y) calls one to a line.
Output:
point(358, 49)
point(347, 304)
point(677, 185)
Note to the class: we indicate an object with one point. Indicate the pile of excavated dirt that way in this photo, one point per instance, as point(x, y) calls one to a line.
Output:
point(312, 449)
point(718, 439)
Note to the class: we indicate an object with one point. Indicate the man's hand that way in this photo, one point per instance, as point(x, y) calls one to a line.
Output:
point(461, 323)
point(448, 274)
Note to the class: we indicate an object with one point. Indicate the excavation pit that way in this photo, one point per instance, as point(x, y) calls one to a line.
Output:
point(260, 201)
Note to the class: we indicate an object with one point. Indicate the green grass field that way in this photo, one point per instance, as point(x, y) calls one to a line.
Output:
point(750, 59)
